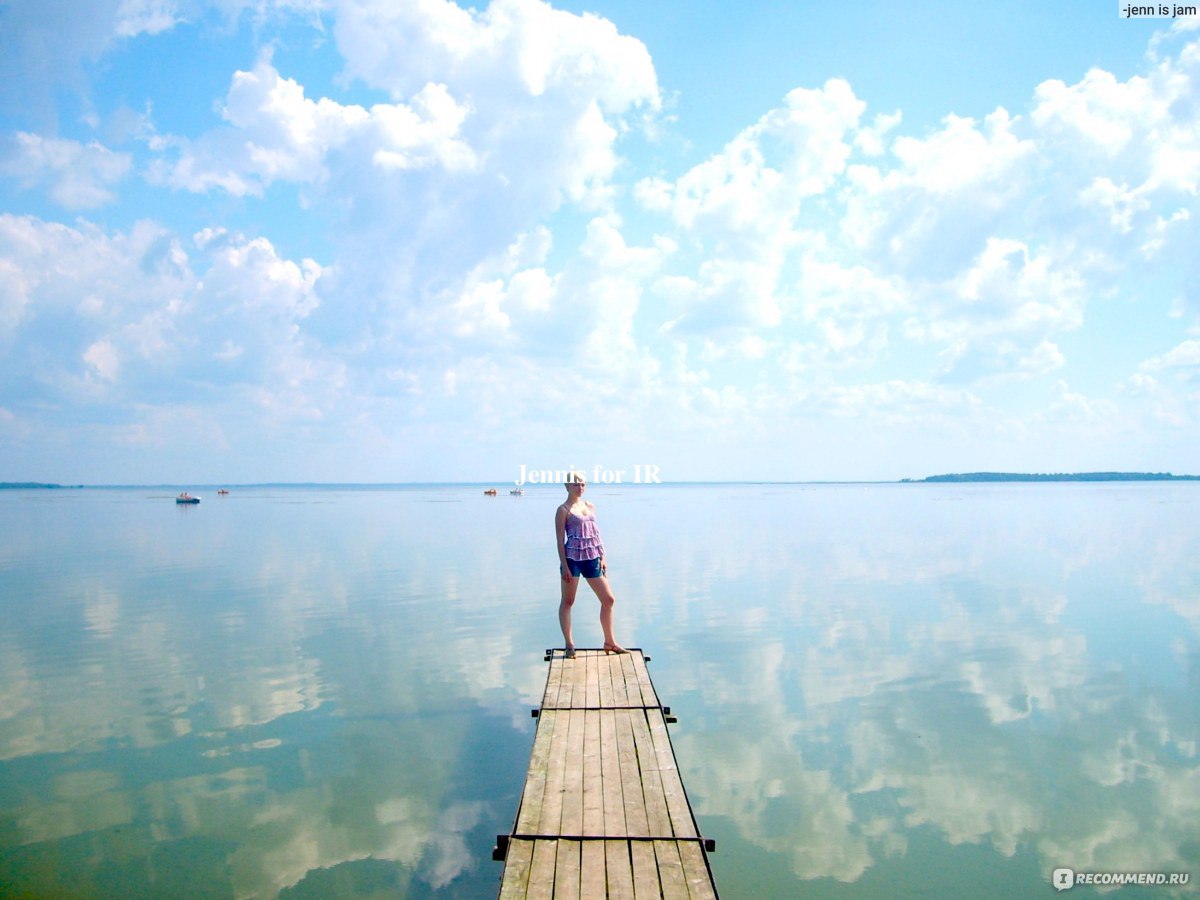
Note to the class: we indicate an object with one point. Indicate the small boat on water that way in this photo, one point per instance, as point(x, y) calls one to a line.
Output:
point(517, 492)
point(222, 491)
point(185, 497)
point(491, 492)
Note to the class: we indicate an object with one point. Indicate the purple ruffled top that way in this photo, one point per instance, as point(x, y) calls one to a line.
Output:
point(583, 537)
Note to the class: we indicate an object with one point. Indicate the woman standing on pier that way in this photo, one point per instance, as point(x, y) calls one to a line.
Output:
point(581, 552)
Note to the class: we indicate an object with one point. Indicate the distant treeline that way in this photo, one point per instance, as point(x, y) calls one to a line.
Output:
point(26, 484)
point(1075, 476)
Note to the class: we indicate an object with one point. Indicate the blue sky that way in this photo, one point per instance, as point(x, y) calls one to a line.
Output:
point(358, 240)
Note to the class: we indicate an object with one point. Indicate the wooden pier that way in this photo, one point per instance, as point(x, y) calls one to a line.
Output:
point(604, 812)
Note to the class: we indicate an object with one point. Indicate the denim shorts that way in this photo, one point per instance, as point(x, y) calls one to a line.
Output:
point(588, 568)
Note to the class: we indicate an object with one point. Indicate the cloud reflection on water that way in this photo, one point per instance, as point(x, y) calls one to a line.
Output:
point(304, 699)
point(996, 673)
point(266, 698)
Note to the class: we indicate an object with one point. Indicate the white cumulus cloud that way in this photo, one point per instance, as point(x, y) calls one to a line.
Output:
point(80, 176)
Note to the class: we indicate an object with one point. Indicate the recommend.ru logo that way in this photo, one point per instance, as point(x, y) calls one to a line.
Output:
point(1063, 878)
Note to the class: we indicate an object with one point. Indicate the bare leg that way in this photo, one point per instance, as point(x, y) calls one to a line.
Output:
point(569, 587)
point(605, 595)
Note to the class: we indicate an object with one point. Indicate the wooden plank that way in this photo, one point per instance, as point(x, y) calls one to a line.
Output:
point(682, 823)
point(572, 806)
point(633, 681)
point(658, 818)
point(619, 869)
point(645, 870)
point(608, 682)
point(592, 695)
point(516, 870)
point(578, 684)
point(632, 791)
point(592, 874)
point(566, 873)
point(614, 803)
point(604, 680)
point(535, 781)
point(554, 679)
point(541, 870)
point(695, 871)
point(670, 870)
point(550, 819)
point(593, 783)
point(649, 695)
point(620, 681)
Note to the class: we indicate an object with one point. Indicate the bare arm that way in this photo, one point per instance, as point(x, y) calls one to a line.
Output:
point(560, 537)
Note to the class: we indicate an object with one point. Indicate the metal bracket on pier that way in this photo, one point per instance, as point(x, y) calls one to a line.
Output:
point(500, 851)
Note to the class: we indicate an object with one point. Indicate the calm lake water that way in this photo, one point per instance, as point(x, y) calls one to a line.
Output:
point(882, 690)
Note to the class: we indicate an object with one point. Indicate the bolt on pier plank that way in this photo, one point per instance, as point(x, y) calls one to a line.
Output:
point(604, 812)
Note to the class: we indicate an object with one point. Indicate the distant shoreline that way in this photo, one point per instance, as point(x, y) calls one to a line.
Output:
point(31, 485)
point(1076, 476)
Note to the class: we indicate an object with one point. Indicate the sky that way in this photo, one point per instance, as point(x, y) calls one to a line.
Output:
point(408, 240)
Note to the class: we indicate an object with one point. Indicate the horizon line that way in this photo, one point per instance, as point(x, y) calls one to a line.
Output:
point(960, 477)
